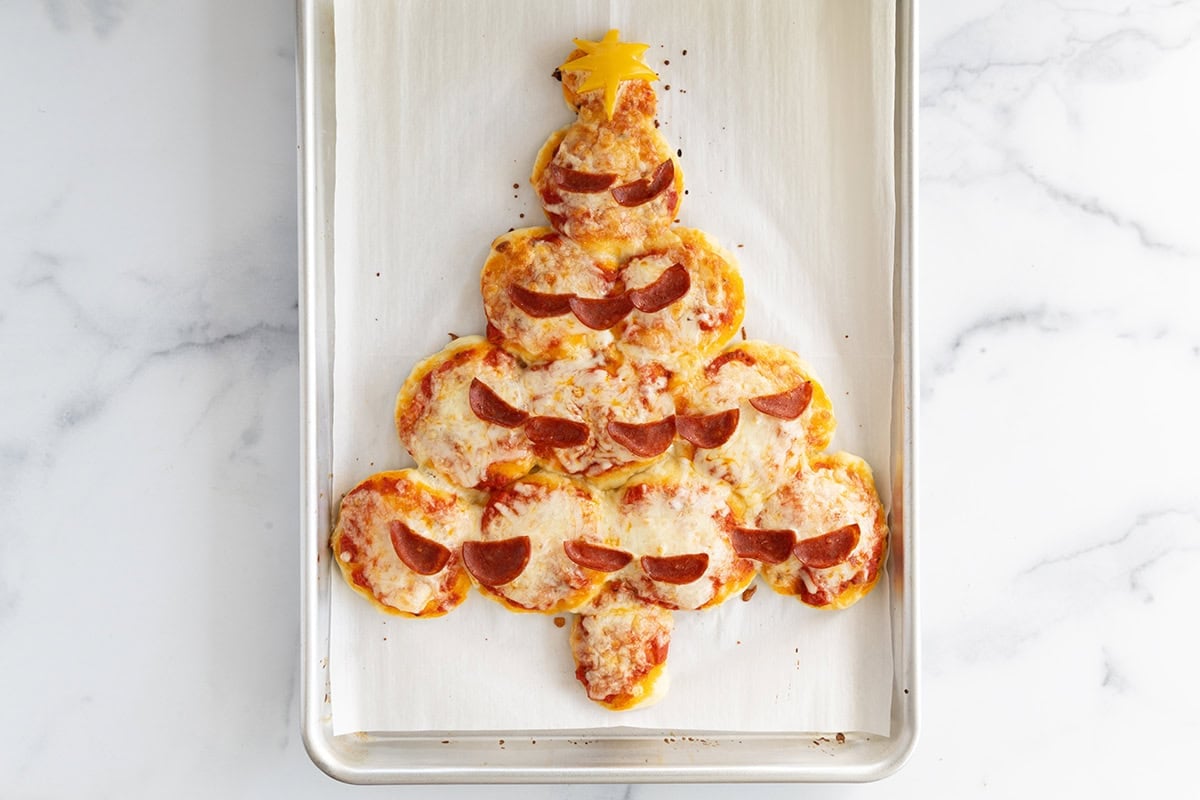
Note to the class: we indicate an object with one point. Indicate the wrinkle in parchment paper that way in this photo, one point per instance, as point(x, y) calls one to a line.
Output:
point(782, 112)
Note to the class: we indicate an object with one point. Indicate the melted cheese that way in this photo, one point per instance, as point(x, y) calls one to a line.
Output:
point(541, 261)
point(363, 546)
point(594, 392)
point(550, 510)
point(441, 431)
point(837, 490)
point(703, 320)
point(764, 451)
point(671, 510)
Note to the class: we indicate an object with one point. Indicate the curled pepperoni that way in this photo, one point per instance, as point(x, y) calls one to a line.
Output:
point(707, 430)
point(575, 181)
point(669, 287)
point(593, 556)
point(646, 439)
point(496, 563)
point(767, 546)
point(643, 191)
point(423, 556)
point(787, 404)
point(539, 304)
point(601, 313)
point(556, 431)
point(725, 358)
point(828, 549)
point(675, 569)
point(489, 406)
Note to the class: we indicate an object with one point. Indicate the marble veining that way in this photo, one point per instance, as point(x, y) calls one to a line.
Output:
point(149, 435)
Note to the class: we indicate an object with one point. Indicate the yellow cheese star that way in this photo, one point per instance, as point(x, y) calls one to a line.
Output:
point(609, 62)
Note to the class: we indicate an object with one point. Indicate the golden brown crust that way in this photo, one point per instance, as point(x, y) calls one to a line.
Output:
point(764, 450)
point(833, 491)
point(695, 327)
point(620, 649)
point(540, 260)
point(436, 425)
point(362, 542)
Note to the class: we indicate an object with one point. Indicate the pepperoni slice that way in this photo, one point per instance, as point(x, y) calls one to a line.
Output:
point(675, 569)
point(669, 287)
point(646, 439)
point(584, 182)
point(707, 430)
point(556, 431)
point(423, 556)
point(496, 563)
point(643, 191)
point(539, 304)
point(828, 549)
point(593, 556)
point(767, 546)
point(787, 404)
point(601, 313)
point(725, 358)
point(489, 406)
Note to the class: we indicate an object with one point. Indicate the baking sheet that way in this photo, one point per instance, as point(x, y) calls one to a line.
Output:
point(784, 115)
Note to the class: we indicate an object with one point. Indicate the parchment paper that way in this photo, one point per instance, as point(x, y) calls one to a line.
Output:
point(783, 115)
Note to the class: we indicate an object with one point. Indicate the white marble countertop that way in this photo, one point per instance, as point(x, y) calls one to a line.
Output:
point(149, 618)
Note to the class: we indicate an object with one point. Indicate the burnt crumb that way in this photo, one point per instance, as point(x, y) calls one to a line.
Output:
point(667, 87)
point(557, 75)
point(445, 741)
point(656, 123)
point(685, 52)
point(847, 336)
point(376, 274)
point(522, 216)
point(516, 186)
point(501, 742)
point(452, 335)
point(906, 691)
point(741, 245)
point(683, 91)
point(667, 62)
point(510, 230)
point(841, 738)
point(559, 622)
point(685, 191)
point(743, 333)
point(679, 152)
point(746, 595)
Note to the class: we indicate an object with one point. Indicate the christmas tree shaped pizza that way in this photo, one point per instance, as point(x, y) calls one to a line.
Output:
point(608, 448)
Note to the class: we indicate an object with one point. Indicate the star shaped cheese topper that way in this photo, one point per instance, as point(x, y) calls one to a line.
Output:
point(608, 62)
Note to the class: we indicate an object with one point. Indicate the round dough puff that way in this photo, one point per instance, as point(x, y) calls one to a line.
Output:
point(595, 392)
point(627, 147)
point(540, 260)
point(551, 510)
point(673, 510)
point(363, 542)
point(833, 491)
point(437, 426)
point(764, 450)
point(701, 322)
point(620, 647)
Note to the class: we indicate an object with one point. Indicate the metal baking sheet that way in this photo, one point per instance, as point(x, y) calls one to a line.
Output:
point(616, 755)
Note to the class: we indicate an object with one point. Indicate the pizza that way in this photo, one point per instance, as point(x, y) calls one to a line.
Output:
point(609, 448)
